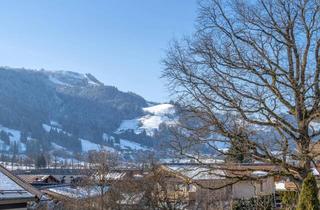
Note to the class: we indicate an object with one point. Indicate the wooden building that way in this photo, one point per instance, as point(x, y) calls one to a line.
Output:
point(40, 181)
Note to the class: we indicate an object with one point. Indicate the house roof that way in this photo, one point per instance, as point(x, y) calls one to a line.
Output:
point(69, 192)
point(220, 171)
point(115, 175)
point(118, 175)
point(13, 188)
point(36, 178)
point(197, 172)
point(249, 170)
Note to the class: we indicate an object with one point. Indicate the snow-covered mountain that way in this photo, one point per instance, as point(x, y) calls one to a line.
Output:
point(67, 113)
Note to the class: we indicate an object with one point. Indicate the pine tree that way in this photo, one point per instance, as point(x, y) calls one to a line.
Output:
point(24, 137)
point(41, 161)
point(240, 150)
point(4, 137)
point(308, 198)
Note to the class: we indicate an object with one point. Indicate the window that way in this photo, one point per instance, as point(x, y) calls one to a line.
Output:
point(261, 185)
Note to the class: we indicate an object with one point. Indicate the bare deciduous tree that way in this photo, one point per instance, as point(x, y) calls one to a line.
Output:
point(102, 162)
point(254, 65)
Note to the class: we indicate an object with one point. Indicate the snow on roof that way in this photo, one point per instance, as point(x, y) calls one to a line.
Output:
point(75, 192)
point(7, 184)
point(279, 186)
point(259, 173)
point(113, 175)
point(11, 187)
point(188, 160)
point(197, 172)
point(315, 172)
point(36, 178)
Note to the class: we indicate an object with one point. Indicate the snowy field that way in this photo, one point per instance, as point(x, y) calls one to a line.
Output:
point(125, 144)
point(154, 116)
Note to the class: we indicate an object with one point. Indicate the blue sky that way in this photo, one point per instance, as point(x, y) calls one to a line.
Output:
point(121, 42)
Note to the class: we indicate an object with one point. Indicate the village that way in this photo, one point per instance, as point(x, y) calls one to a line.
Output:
point(211, 184)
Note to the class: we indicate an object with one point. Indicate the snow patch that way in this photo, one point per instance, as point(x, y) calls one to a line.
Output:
point(58, 82)
point(57, 147)
point(315, 172)
point(129, 125)
point(55, 124)
point(280, 186)
point(76, 192)
point(161, 109)
point(125, 144)
point(259, 173)
point(15, 136)
point(88, 145)
point(48, 128)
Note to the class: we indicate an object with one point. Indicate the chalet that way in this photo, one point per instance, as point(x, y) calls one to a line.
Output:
point(215, 187)
point(74, 197)
point(14, 192)
point(86, 193)
point(70, 178)
point(40, 181)
point(119, 175)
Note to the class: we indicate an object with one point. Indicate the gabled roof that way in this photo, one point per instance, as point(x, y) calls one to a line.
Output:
point(69, 192)
point(33, 179)
point(196, 172)
point(13, 188)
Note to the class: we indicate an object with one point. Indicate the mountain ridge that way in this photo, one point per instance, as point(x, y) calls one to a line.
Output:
point(68, 109)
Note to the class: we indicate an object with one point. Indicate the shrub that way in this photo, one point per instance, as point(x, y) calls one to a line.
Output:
point(308, 198)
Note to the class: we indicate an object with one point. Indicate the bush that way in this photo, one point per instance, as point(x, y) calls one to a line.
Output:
point(289, 199)
point(258, 203)
point(308, 198)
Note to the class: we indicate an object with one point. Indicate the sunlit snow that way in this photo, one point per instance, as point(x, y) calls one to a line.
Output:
point(87, 146)
point(154, 116)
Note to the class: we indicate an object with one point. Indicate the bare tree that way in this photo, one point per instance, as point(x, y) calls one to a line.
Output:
point(254, 65)
point(102, 162)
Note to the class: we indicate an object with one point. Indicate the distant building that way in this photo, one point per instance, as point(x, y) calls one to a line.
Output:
point(217, 186)
point(14, 192)
point(40, 181)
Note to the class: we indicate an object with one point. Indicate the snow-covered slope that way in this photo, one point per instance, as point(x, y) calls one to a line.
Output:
point(68, 78)
point(87, 146)
point(154, 116)
point(129, 145)
point(14, 138)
